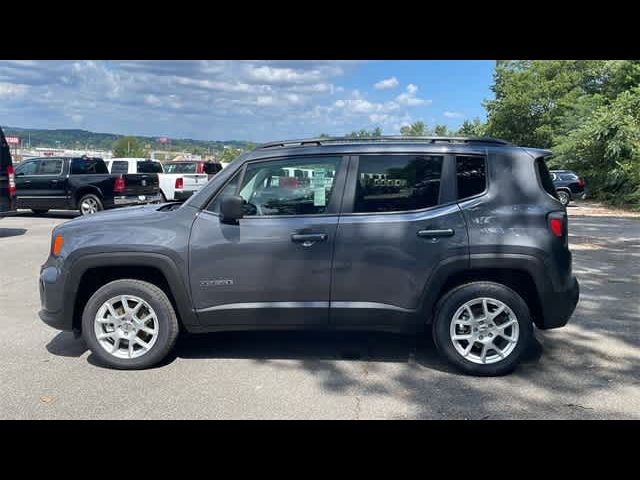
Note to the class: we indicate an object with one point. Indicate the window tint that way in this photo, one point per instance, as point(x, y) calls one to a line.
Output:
point(396, 183)
point(228, 190)
point(545, 177)
point(149, 167)
point(568, 177)
point(50, 167)
point(471, 175)
point(27, 168)
point(84, 166)
point(180, 167)
point(211, 168)
point(296, 186)
point(119, 167)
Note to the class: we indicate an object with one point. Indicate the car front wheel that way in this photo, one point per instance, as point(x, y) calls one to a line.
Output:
point(483, 328)
point(129, 324)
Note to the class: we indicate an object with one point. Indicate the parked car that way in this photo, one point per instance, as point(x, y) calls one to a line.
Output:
point(7, 179)
point(80, 183)
point(568, 185)
point(465, 247)
point(142, 165)
point(181, 180)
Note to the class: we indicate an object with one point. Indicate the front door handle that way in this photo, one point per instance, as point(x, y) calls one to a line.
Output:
point(308, 239)
point(447, 232)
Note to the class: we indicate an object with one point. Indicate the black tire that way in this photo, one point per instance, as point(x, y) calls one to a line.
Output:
point(39, 211)
point(564, 197)
point(167, 323)
point(457, 297)
point(91, 198)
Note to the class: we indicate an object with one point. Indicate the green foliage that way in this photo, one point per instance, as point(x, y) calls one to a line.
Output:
point(128, 147)
point(376, 132)
point(416, 129)
point(474, 128)
point(586, 112)
point(229, 154)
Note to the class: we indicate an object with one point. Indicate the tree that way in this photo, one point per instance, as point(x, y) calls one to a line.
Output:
point(474, 128)
point(128, 147)
point(441, 130)
point(376, 132)
point(416, 129)
point(586, 112)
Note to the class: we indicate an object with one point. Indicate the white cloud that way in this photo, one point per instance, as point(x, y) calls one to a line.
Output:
point(410, 99)
point(8, 90)
point(454, 115)
point(387, 83)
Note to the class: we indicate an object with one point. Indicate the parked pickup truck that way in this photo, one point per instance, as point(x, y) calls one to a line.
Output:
point(181, 180)
point(7, 179)
point(81, 183)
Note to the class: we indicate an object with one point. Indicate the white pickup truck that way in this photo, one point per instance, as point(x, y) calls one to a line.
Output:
point(174, 185)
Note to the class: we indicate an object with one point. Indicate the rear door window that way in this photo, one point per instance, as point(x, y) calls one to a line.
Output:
point(397, 183)
point(180, 168)
point(50, 167)
point(87, 166)
point(471, 175)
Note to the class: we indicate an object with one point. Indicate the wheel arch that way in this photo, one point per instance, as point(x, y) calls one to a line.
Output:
point(521, 273)
point(91, 272)
point(84, 190)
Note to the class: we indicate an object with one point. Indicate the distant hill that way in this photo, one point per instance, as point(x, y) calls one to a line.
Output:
point(70, 138)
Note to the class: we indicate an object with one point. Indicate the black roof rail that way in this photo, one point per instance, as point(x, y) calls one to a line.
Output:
point(383, 138)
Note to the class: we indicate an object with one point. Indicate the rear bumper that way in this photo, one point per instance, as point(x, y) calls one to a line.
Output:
point(135, 199)
point(183, 194)
point(558, 306)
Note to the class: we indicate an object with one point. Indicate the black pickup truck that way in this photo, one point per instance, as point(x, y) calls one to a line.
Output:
point(81, 183)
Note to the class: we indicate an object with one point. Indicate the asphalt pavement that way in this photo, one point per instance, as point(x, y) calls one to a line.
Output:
point(589, 369)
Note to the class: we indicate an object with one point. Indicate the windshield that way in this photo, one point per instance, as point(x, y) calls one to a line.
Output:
point(180, 167)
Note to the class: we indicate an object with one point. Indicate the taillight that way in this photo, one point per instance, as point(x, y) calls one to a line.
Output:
point(555, 224)
point(581, 182)
point(179, 182)
point(118, 186)
point(12, 180)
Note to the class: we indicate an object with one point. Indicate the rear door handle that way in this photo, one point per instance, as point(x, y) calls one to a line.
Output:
point(308, 239)
point(447, 232)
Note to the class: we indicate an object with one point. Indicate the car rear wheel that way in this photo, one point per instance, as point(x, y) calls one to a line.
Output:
point(564, 197)
point(90, 204)
point(129, 324)
point(483, 328)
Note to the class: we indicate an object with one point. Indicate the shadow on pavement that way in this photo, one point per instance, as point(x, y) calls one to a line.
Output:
point(12, 232)
point(50, 214)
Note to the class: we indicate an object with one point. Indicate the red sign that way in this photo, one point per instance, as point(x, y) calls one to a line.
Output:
point(13, 140)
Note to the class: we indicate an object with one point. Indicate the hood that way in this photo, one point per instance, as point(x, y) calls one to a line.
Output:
point(119, 215)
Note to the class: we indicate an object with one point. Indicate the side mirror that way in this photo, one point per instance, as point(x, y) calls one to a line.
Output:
point(231, 209)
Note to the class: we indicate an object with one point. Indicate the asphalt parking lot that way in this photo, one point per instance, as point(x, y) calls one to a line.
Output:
point(589, 369)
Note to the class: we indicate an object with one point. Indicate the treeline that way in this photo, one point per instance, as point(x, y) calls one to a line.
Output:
point(83, 139)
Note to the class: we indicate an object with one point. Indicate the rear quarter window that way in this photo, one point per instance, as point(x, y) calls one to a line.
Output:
point(545, 177)
point(471, 176)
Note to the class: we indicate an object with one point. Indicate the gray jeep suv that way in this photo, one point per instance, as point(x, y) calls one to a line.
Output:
point(464, 236)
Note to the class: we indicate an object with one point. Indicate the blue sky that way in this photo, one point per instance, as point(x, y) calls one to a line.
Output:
point(241, 100)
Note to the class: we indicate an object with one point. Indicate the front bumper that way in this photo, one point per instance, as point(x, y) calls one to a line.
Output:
point(51, 287)
point(136, 199)
point(559, 306)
